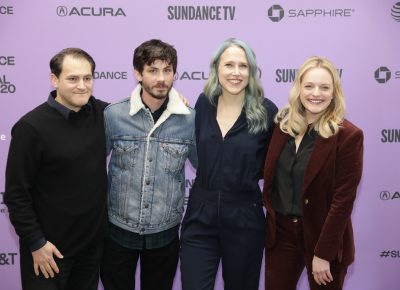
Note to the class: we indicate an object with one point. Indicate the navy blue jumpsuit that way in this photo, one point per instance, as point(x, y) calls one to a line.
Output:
point(225, 218)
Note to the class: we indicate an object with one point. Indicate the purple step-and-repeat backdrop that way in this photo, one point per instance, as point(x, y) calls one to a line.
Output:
point(361, 37)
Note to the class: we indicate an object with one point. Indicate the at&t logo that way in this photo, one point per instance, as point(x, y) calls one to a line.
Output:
point(386, 195)
point(3, 208)
point(395, 12)
point(7, 259)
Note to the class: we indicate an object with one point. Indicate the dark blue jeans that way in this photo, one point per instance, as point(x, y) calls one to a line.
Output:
point(80, 272)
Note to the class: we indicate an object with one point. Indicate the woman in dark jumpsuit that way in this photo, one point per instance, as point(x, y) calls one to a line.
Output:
point(224, 220)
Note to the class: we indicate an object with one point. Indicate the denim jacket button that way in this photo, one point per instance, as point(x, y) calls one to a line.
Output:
point(147, 182)
point(146, 205)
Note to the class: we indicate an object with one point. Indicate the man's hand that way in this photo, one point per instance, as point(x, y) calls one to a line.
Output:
point(321, 271)
point(184, 100)
point(43, 260)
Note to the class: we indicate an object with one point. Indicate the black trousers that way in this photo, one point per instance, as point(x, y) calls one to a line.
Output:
point(157, 267)
point(285, 262)
point(226, 228)
point(79, 272)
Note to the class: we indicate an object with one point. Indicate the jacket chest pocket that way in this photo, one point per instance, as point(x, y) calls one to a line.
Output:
point(174, 156)
point(125, 153)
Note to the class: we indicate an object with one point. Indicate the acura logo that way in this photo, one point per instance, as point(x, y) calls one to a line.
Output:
point(384, 195)
point(62, 11)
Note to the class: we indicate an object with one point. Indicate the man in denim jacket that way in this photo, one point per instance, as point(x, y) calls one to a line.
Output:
point(150, 135)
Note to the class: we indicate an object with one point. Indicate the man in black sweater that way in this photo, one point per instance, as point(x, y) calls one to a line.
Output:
point(56, 181)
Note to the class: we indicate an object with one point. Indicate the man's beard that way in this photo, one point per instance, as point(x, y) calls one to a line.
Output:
point(158, 96)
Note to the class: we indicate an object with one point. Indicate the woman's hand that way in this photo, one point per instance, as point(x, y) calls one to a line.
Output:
point(321, 271)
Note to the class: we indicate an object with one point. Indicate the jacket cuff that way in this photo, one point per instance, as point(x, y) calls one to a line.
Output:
point(38, 244)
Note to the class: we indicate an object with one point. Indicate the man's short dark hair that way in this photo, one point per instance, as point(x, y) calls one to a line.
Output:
point(57, 61)
point(150, 51)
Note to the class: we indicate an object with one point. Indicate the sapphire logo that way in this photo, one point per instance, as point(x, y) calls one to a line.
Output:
point(276, 13)
point(395, 12)
point(382, 75)
point(63, 11)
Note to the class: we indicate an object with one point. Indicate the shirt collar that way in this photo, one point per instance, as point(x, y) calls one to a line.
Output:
point(160, 109)
point(63, 110)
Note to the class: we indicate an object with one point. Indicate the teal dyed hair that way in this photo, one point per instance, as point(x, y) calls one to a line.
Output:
point(256, 114)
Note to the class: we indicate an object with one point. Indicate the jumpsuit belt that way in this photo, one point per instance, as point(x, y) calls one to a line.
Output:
point(221, 197)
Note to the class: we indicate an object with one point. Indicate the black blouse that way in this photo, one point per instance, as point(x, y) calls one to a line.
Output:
point(289, 175)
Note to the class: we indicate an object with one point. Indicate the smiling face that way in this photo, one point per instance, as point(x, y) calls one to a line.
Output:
point(233, 71)
point(316, 92)
point(74, 85)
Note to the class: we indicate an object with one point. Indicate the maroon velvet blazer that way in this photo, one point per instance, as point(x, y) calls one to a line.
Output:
point(328, 193)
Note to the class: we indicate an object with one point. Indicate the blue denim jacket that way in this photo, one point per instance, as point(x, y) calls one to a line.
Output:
point(146, 177)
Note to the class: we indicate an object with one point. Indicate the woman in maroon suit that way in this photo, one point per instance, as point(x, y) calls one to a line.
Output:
point(311, 174)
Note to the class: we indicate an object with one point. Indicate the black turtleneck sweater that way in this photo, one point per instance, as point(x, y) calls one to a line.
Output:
point(56, 177)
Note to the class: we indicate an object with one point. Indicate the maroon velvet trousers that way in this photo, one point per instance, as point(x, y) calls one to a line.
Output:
point(285, 262)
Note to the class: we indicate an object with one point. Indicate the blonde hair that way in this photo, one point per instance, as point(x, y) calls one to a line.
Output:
point(292, 119)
